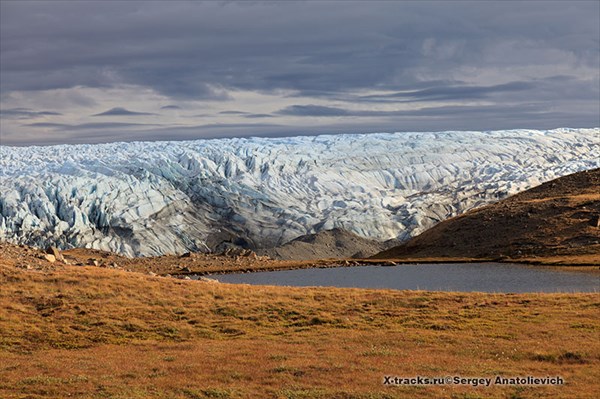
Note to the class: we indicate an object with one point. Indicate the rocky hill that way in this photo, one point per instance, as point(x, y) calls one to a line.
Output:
point(335, 243)
point(556, 220)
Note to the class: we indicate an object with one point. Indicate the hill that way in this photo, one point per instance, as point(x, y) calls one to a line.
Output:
point(335, 243)
point(556, 222)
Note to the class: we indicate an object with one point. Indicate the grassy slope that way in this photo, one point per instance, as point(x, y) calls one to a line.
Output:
point(554, 223)
point(100, 333)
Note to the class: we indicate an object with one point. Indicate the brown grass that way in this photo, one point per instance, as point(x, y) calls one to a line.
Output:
point(98, 333)
point(552, 224)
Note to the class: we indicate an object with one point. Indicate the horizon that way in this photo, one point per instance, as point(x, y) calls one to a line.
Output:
point(98, 72)
point(292, 136)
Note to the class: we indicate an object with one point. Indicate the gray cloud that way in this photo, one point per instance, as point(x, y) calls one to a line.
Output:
point(199, 47)
point(118, 111)
point(245, 114)
point(320, 111)
point(47, 125)
point(25, 113)
point(258, 116)
point(88, 126)
point(312, 110)
point(491, 58)
point(451, 92)
point(232, 113)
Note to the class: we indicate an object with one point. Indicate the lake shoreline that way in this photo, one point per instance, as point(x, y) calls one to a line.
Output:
point(340, 263)
point(492, 277)
point(261, 341)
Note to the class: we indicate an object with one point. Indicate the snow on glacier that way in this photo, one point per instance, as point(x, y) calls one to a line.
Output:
point(151, 198)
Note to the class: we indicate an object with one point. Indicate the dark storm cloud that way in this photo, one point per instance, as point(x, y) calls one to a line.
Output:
point(508, 54)
point(170, 107)
point(118, 111)
point(193, 50)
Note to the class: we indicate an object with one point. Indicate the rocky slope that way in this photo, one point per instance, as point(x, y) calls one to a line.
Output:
point(335, 243)
point(557, 219)
point(146, 199)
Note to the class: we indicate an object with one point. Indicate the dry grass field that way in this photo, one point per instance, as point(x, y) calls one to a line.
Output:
point(90, 332)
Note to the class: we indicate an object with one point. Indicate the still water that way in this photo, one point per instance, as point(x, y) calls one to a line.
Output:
point(482, 277)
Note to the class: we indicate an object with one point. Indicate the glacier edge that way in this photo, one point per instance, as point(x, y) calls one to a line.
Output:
point(153, 198)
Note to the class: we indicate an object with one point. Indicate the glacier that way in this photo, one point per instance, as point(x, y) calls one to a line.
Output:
point(154, 198)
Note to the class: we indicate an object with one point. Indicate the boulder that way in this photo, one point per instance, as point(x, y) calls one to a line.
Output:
point(56, 253)
point(50, 258)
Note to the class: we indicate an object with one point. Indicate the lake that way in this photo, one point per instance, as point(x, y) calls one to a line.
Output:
point(481, 277)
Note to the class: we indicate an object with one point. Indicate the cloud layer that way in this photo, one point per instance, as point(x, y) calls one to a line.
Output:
point(120, 111)
point(198, 69)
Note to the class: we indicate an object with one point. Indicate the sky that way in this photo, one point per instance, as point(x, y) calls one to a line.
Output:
point(91, 72)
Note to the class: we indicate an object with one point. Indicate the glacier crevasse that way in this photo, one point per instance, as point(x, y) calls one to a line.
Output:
point(153, 198)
